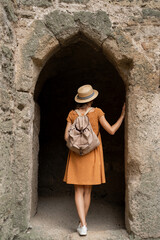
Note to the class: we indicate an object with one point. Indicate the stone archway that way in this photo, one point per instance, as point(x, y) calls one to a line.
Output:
point(72, 66)
point(45, 38)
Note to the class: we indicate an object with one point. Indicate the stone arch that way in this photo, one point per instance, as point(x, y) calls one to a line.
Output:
point(44, 38)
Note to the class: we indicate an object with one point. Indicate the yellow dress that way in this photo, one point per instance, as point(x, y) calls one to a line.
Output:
point(87, 169)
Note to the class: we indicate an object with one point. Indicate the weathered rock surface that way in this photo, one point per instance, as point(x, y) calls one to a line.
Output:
point(128, 34)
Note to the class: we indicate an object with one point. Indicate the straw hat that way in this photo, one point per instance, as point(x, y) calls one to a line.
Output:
point(85, 94)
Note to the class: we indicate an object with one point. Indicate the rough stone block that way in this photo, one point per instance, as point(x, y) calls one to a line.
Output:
point(119, 51)
point(21, 176)
point(5, 99)
point(7, 127)
point(47, 46)
point(38, 39)
point(143, 75)
point(10, 11)
point(149, 12)
point(40, 46)
point(22, 100)
point(75, 1)
point(62, 25)
point(95, 26)
point(7, 68)
point(37, 3)
point(143, 153)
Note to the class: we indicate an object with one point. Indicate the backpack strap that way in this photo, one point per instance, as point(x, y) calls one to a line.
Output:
point(76, 110)
point(88, 110)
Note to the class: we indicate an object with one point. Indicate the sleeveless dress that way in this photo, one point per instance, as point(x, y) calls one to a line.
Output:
point(87, 169)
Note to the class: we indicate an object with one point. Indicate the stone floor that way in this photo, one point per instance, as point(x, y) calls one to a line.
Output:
point(57, 217)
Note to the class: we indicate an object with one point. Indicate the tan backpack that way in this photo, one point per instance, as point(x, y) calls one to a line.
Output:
point(81, 137)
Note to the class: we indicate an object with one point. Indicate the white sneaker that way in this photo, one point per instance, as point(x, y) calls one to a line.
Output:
point(79, 226)
point(82, 230)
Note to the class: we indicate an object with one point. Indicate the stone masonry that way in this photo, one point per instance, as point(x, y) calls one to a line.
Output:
point(128, 33)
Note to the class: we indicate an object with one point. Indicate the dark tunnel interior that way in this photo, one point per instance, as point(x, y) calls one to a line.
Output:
point(73, 66)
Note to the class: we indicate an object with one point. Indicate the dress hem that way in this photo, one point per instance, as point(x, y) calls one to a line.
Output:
point(84, 183)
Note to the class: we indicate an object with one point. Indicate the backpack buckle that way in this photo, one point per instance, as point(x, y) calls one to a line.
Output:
point(81, 151)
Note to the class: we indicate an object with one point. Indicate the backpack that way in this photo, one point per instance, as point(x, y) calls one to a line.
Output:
point(81, 137)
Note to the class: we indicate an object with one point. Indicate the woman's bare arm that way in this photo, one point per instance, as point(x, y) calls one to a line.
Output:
point(112, 129)
point(66, 131)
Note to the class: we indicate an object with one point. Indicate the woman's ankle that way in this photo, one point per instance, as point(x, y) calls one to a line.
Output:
point(82, 224)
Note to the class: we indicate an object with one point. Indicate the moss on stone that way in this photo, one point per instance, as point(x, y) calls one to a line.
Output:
point(75, 1)
point(7, 67)
point(149, 12)
point(31, 46)
point(98, 21)
point(59, 22)
point(37, 3)
point(95, 25)
point(10, 11)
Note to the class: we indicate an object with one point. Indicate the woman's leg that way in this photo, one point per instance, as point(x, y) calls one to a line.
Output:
point(79, 200)
point(87, 197)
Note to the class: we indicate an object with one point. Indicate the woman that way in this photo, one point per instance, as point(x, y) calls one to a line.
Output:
point(87, 170)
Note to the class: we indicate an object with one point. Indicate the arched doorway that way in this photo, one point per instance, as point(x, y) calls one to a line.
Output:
point(74, 65)
point(43, 41)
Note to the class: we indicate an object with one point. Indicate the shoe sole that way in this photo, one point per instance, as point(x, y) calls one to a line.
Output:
point(82, 234)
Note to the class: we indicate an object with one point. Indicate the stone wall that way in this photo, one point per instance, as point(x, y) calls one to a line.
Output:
point(127, 31)
point(7, 97)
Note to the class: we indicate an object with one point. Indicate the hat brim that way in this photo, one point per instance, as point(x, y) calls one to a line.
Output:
point(86, 100)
